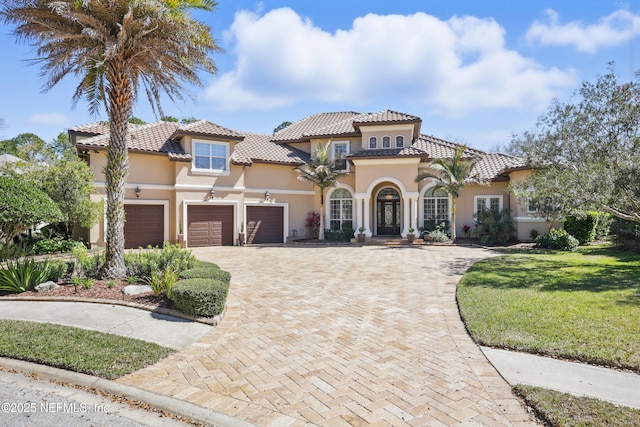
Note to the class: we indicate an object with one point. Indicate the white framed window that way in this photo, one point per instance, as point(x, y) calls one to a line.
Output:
point(340, 150)
point(340, 209)
point(210, 156)
point(487, 202)
point(386, 141)
point(373, 142)
point(399, 141)
point(435, 206)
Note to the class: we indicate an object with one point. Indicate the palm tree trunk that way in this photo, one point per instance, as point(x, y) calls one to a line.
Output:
point(321, 230)
point(116, 171)
point(453, 219)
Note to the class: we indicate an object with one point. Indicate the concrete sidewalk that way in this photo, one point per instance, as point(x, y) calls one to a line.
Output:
point(621, 388)
point(168, 331)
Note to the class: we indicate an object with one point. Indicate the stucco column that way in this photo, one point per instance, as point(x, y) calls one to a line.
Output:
point(410, 215)
point(367, 215)
point(414, 214)
point(406, 215)
point(357, 213)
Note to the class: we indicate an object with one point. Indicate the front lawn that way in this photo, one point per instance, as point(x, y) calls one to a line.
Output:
point(90, 352)
point(582, 305)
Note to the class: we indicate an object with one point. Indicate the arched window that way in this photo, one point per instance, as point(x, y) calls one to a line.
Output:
point(399, 141)
point(386, 142)
point(373, 142)
point(436, 208)
point(340, 209)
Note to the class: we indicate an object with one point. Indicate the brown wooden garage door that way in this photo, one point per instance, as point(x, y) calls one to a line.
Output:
point(265, 224)
point(144, 225)
point(210, 226)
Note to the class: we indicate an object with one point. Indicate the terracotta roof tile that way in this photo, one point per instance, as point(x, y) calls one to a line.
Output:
point(494, 164)
point(386, 116)
point(441, 149)
point(259, 148)
point(97, 128)
point(206, 128)
point(389, 152)
point(309, 125)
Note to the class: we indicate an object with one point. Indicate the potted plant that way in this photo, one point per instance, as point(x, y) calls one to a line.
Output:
point(411, 237)
point(241, 235)
point(361, 234)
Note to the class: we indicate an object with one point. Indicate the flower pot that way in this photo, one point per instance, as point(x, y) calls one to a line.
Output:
point(181, 241)
point(361, 237)
point(411, 238)
point(241, 239)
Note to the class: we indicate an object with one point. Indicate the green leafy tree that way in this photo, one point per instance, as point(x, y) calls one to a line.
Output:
point(114, 47)
point(27, 146)
point(321, 172)
point(586, 153)
point(170, 119)
point(452, 175)
point(188, 120)
point(282, 126)
point(136, 121)
point(23, 205)
point(62, 146)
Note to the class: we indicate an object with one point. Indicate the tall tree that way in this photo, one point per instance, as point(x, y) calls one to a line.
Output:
point(321, 172)
point(586, 153)
point(452, 175)
point(116, 46)
point(27, 146)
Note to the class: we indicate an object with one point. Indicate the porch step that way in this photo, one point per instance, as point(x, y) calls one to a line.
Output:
point(377, 241)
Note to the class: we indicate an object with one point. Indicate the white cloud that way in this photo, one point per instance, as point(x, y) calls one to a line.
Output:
point(452, 67)
point(619, 27)
point(49, 119)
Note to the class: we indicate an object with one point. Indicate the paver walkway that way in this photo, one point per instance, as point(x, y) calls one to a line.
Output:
point(339, 336)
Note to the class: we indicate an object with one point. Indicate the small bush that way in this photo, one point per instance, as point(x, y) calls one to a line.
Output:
point(143, 262)
point(435, 224)
point(200, 297)
point(582, 226)
point(59, 269)
point(162, 282)
point(626, 234)
point(88, 264)
point(15, 250)
point(22, 276)
point(55, 245)
point(343, 235)
point(437, 236)
point(557, 239)
point(495, 228)
point(534, 234)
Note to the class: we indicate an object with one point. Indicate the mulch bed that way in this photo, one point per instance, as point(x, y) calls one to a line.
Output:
point(99, 290)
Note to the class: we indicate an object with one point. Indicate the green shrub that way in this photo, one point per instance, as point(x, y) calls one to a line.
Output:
point(435, 224)
point(87, 264)
point(15, 250)
point(626, 234)
point(495, 228)
point(557, 239)
point(603, 225)
point(200, 297)
point(59, 269)
point(22, 276)
point(582, 226)
point(162, 282)
point(437, 236)
point(206, 272)
point(143, 262)
point(54, 245)
point(343, 235)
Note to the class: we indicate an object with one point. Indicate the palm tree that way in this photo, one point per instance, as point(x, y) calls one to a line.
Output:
point(114, 47)
point(322, 173)
point(452, 175)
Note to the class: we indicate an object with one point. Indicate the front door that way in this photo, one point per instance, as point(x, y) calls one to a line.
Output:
point(388, 212)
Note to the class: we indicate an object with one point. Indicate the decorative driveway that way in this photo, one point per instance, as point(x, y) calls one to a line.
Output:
point(340, 336)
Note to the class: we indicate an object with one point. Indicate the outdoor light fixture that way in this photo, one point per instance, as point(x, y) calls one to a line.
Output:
point(266, 195)
point(137, 191)
point(212, 193)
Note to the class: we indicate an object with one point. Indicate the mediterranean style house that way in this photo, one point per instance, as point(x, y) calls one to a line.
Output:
point(205, 184)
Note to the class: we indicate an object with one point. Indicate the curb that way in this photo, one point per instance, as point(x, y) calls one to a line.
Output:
point(164, 403)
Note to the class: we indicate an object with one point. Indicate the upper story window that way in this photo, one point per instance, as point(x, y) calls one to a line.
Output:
point(399, 141)
point(373, 142)
point(340, 151)
point(210, 156)
point(386, 142)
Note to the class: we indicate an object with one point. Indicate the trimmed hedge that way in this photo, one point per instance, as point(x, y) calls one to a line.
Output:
point(200, 297)
point(557, 239)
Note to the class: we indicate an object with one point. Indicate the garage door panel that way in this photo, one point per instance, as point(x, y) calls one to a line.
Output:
point(210, 225)
point(144, 225)
point(265, 224)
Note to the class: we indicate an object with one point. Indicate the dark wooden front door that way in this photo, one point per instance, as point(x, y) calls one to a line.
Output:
point(388, 212)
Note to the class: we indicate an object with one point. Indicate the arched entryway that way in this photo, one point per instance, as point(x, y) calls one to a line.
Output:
point(388, 212)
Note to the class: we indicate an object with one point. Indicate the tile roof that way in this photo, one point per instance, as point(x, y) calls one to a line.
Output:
point(494, 164)
point(389, 152)
point(206, 128)
point(386, 116)
point(441, 149)
point(307, 126)
point(97, 128)
point(259, 148)
point(152, 137)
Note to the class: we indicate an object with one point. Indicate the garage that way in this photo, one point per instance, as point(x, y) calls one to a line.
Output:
point(144, 225)
point(265, 224)
point(210, 226)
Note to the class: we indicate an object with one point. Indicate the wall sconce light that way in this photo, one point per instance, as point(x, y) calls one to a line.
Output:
point(137, 191)
point(212, 193)
point(266, 196)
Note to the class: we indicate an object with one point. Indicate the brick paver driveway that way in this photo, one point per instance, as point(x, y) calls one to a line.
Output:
point(339, 336)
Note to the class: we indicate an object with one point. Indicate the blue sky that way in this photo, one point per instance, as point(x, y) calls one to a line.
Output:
point(476, 72)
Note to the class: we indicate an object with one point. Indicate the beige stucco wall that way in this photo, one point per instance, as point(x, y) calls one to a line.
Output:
point(406, 130)
point(402, 171)
point(525, 222)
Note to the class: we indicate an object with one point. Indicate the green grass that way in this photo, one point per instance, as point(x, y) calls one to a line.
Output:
point(582, 305)
point(561, 409)
point(90, 352)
